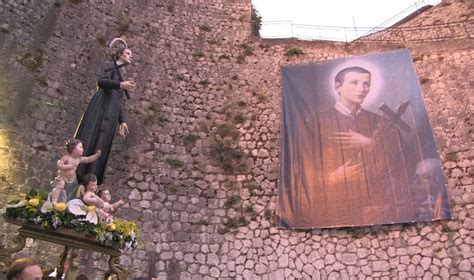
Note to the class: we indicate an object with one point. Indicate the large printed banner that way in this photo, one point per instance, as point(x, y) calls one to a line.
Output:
point(357, 146)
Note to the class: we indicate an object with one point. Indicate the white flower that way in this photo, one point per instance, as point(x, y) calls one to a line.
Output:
point(37, 220)
point(92, 217)
point(18, 205)
point(77, 207)
point(56, 222)
point(46, 207)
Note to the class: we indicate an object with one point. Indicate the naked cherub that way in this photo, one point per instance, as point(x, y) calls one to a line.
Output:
point(108, 209)
point(66, 180)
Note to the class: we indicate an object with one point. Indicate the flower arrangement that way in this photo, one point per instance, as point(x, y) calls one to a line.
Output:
point(33, 208)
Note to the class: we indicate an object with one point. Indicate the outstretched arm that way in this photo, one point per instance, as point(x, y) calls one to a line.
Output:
point(116, 205)
point(92, 158)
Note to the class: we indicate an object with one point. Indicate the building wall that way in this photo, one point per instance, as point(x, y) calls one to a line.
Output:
point(200, 165)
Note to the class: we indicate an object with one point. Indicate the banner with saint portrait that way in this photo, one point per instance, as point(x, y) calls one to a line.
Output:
point(356, 145)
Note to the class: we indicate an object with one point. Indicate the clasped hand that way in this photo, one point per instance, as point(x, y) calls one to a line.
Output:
point(351, 139)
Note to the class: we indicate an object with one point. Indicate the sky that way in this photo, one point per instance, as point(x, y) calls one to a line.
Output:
point(330, 19)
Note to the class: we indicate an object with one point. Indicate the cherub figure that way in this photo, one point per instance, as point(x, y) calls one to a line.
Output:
point(90, 198)
point(108, 209)
point(67, 166)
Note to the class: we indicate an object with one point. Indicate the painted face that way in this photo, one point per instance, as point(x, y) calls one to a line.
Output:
point(92, 186)
point(105, 195)
point(78, 151)
point(354, 88)
point(31, 273)
point(126, 56)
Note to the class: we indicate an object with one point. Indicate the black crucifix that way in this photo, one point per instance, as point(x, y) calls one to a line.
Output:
point(395, 117)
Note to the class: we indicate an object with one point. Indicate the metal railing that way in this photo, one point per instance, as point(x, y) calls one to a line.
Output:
point(386, 31)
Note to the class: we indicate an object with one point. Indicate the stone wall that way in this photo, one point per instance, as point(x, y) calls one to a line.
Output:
point(438, 23)
point(200, 166)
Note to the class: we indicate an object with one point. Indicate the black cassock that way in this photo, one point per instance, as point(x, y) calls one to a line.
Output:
point(99, 123)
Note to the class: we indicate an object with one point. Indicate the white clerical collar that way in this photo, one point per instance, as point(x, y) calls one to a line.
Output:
point(343, 109)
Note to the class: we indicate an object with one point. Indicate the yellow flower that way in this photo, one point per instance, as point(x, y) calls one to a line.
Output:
point(22, 195)
point(111, 227)
point(127, 232)
point(90, 208)
point(60, 207)
point(33, 202)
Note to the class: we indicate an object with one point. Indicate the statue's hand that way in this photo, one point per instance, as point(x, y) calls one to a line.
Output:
point(128, 85)
point(123, 130)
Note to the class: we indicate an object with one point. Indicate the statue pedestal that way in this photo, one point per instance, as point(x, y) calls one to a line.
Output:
point(70, 239)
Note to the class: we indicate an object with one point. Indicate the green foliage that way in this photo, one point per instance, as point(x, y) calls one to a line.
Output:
point(268, 214)
point(451, 156)
point(154, 107)
point(240, 59)
point(161, 118)
point(190, 139)
point(204, 82)
point(175, 163)
point(173, 189)
point(256, 21)
point(294, 51)
point(42, 82)
point(249, 209)
point(124, 21)
point(101, 40)
point(228, 157)
point(252, 187)
point(424, 80)
point(205, 28)
point(232, 223)
point(32, 208)
point(232, 200)
point(198, 54)
point(248, 50)
point(356, 233)
point(32, 60)
point(155, 115)
point(227, 130)
point(170, 7)
point(240, 118)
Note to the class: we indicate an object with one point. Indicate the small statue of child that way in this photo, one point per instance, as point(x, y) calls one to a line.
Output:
point(67, 166)
point(108, 209)
point(90, 198)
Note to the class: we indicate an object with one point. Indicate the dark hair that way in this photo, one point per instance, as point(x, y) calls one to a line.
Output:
point(18, 266)
point(101, 190)
point(81, 277)
point(71, 144)
point(88, 178)
point(341, 74)
point(119, 52)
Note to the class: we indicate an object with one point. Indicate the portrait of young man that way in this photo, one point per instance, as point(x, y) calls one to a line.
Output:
point(352, 137)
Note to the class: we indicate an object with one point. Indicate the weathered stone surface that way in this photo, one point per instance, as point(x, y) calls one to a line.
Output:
point(194, 73)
